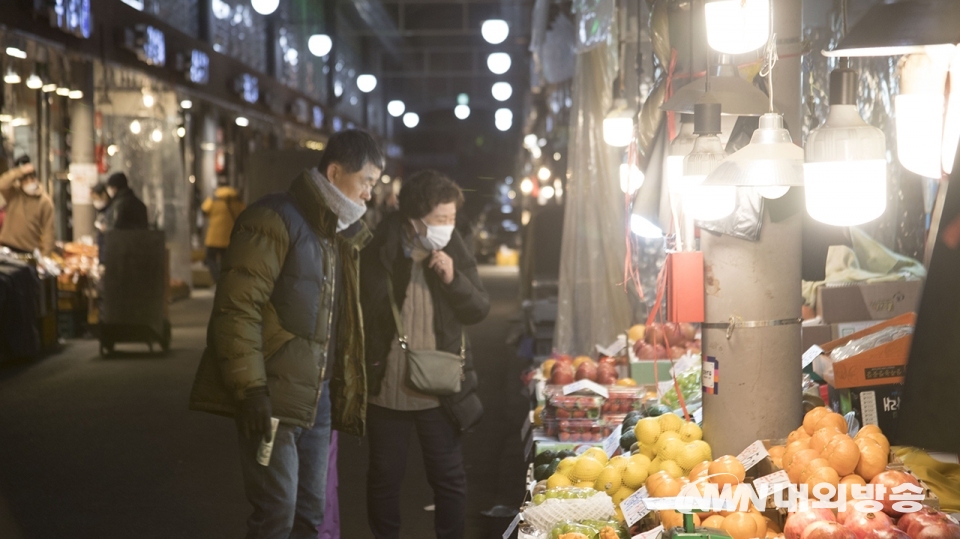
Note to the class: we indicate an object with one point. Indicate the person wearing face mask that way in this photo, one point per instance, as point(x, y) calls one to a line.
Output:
point(285, 338)
point(437, 291)
point(127, 212)
point(101, 202)
point(28, 224)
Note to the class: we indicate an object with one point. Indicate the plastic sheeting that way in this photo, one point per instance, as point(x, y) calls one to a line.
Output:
point(593, 305)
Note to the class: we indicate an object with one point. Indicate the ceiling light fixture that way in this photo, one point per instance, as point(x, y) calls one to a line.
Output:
point(242, 121)
point(411, 119)
point(11, 77)
point(265, 7)
point(462, 112)
point(892, 28)
point(186, 104)
point(47, 88)
point(501, 91)
point(157, 135)
point(526, 186)
point(736, 95)
point(737, 26)
point(503, 119)
point(544, 174)
point(495, 31)
point(16, 53)
point(366, 83)
point(706, 203)
point(135, 127)
point(148, 99)
point(75, 94)
point(498, 63)
point(34, 82)
point(181, 132)
point(618, 125)
point(63, 91)
point(396, 108)
point(320, 45)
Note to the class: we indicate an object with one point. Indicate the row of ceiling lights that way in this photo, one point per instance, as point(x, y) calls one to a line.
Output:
point(34, 82)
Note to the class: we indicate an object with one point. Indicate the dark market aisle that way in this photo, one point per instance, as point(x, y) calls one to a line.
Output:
point(95, 448)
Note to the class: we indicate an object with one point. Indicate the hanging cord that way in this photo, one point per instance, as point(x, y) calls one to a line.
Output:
point(770, 60)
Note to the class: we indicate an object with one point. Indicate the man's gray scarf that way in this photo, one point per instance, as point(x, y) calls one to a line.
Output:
point(348, 211)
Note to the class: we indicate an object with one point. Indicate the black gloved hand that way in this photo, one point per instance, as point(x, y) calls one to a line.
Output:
point(254, 416)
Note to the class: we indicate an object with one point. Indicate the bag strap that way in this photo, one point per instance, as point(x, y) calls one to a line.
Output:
point(398, 320)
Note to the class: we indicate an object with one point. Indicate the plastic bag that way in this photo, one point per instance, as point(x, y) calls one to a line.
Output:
point(690, 385)
point(554, 511)
point(594, 529)
point(874, 340)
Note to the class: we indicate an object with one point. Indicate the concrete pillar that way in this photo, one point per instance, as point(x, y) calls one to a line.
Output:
point(82, 147)
point(759, 369)
point(207, 169)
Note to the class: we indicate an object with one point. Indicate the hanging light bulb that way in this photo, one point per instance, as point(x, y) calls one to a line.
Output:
point(411, 119)
point(498, 63)
point(618, 125)
point(265, 7)
point(148, 99)
point(156, 135)
point(951, 124)
point(503, 119)
point(75, 94)
point(12, 77)
point(63, 91)
point(181, 132)
point(737, 26)
point(526, 186)
point(47, 88)
point(631, 178)
point(495, 31)
point(462, 112)
point(920, 108)
point(396, 108)
point(501, 91)
point(135, 127)
point(530, 141)
point(186, 104)
point(845, 173)
point(242, 121)
point(366, 83)
point(544, 174)
point(706, 203)
point(320, 45)
point(34, 82)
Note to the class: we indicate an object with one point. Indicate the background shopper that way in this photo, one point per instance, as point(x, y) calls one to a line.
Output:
point(127, 212)
point(28, 223)
point(435, 280)
point(222, 210)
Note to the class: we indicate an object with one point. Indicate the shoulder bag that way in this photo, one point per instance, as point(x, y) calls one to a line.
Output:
point(432, 372)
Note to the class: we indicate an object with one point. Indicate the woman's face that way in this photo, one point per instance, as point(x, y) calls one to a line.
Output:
point(442, 214)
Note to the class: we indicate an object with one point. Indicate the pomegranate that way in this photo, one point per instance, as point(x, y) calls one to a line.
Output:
point(924, 514)
point(939, 530)
point(677, 352)
point(607, 374)
point(887, 533)
point(925, 519)
point(671, 332)
point(694, 347)
point(843, 513)
point(688, 331)
point(890, 479)
point(562, 374)
point(586, 371)
point(863, 523)
point(826, 530)
point(798, 522)
point(654, 333)
point(643, 350)
point(660, 352)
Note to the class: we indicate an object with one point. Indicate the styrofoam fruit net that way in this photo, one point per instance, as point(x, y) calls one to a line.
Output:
point(554, 511)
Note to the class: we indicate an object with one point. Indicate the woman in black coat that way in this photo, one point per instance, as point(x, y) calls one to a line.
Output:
point(438, 291)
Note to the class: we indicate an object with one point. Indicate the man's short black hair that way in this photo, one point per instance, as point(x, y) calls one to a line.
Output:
point(352, 149)
point(100, 190)
point(118, 181)
point(22, 160)
point(426, 190)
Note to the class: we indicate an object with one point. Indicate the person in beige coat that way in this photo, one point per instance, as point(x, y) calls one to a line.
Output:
point(28, 224)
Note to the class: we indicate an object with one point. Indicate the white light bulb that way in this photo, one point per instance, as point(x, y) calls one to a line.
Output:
point(495, 31)
point(112, 150)
point(75, 94)
point(499, 63)
point(157, 135)
point(320, 45)
point(644, 228)
point(501, 91)
point(34, 82)
point(63, 91)
point(737, 26)
point(526, 186)
point(530, 141)
point(618, 125)
point(366, 83)
point(544, 174)
point(631, 178)
point(708, 202)
point(186, 104)
point(411, 119)
point(181, 132)
point(547, 192)
point(47, 88)
point(12, 77)
point(772, 191)
point(135, 127)
point(920, 112)
point(503, 119)
point(16, 53)
point(265, 7)
point(462, 112)
point(396, 108)
point(148, 100)
point(242, 121)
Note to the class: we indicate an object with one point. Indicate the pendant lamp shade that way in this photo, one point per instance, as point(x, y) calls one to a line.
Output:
point(892, 28)
point(618, 125)
point(920, 108)
point(771, 163)
point(680, 147)
point(736, 96)
point(845, 173)
point(737, 26)
point(706, 203)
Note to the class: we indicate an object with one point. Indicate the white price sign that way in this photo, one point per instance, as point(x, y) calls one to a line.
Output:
point(810, 355)
point(698, 416)
point(612, 442)
point(772, 483)
point(753, 454)
point(652, 534)
point(586, 385)
point(633, 507)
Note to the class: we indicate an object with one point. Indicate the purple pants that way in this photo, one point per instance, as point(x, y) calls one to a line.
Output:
point(331, 519)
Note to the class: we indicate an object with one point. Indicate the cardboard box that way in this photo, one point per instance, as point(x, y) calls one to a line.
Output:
point(884, 364)
point(818, 334)
point(852, 302)
point(685, 292)
point(873, 405)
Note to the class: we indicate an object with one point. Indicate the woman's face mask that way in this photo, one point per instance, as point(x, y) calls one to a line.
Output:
point(31, 188)
point(438, 236)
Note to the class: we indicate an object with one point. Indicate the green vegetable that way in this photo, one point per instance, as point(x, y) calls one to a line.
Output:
point(544, 458)
point(627, 440)
point(541, 472)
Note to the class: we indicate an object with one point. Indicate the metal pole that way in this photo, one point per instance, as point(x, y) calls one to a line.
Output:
point(82, 142)
point(758, 387)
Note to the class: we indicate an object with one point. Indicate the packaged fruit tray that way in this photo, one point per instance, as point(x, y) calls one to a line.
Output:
point(579, 430)
point(623, 400)
point(562, 406)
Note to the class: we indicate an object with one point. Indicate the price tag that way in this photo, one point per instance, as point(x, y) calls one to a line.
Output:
point(586, 385)
point(772, 483)
point(810, 355)
point(633, 507)
point(652, 534)
point(513, 525)
point(698, 416)
point(612, 442)
point(753, 454)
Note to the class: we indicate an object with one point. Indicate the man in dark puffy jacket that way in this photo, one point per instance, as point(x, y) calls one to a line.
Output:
point(127, 212)
point(285, 339)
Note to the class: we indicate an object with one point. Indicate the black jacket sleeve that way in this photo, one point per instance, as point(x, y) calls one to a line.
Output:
point(465, 293)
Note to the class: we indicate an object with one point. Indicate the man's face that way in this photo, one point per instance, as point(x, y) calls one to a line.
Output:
point(357, 186)
point(112, 191)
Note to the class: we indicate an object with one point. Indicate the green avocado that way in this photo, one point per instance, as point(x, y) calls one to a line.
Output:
point(566, 453)
point(544, 458)
point(628, 439)
point(541, 472)
point(657, 410)
point(632, 419)
point(552, 468)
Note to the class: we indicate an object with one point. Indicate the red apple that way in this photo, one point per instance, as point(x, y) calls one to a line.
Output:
point(797, 522)
point(644, 350)
point(659, 352)
point(607, 374)
point(562, 374)
point(689, 331)
point(826, 530)
point(891, 479)
point(563, 358)
point(673, 335)
point(586, 371)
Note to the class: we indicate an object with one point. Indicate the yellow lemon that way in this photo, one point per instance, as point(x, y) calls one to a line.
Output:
point(619, 462)
point(648, 451)
point(690, 432)
point(558, 480)
point(585, 484)
point(587, 469)
point(609, 481)
point(642, 459)
point(666, 437)
point(672, 468)
point(671, 449)
point(635, 474)
point(694, 453)
point(596, 454)
point(622, 494)
point(670, 422)
point(566, 466)
point(648, 431)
